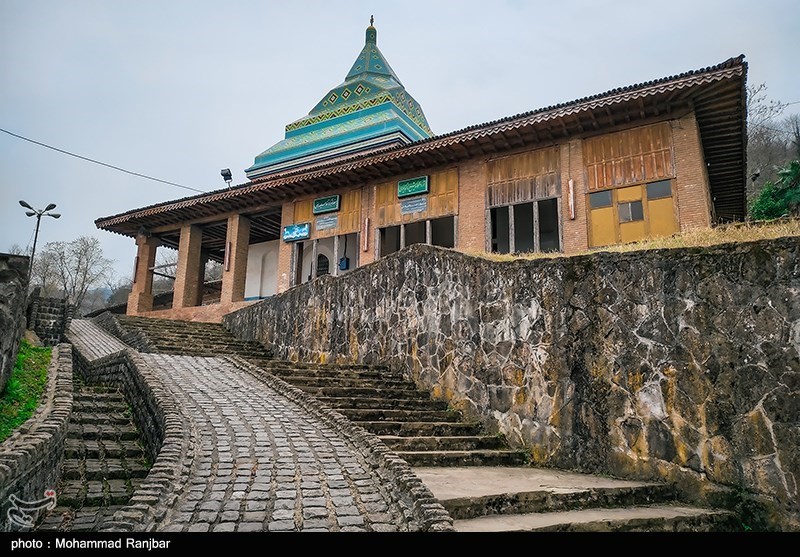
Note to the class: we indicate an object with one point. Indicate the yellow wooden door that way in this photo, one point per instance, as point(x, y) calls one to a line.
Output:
point(631, 214)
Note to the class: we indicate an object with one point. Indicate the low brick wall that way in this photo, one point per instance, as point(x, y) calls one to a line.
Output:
point(135, 339)
point(678, 365)
point(30, 459)
point(422, 510)
point(13, 302)
point(211, 313)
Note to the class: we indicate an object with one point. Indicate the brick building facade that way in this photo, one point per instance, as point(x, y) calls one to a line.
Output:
point(361, 177)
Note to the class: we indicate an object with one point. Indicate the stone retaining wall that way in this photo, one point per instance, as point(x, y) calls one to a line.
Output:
point(682, 365)
point(49, 318)
point(30, 459)
point(13, 300)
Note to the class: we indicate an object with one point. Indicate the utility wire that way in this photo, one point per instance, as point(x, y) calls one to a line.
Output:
point(100, 163)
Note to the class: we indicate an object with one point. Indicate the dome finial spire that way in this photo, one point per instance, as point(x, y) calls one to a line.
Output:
point(372, 33)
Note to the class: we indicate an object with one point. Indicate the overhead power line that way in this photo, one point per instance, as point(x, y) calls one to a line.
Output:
point(100, 163)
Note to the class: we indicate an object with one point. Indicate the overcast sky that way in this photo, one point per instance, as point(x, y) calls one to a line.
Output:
point(181, 89)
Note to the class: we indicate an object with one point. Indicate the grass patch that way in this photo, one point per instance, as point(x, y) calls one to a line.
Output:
point(24, 389)
point(703, 237)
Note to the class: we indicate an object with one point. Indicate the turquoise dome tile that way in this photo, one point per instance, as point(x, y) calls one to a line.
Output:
point(369, 105)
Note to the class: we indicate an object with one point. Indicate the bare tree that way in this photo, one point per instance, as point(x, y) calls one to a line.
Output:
point(16, 249)
point(792, 125)
point(72, 267)
point(768, 138)
point(167, 267)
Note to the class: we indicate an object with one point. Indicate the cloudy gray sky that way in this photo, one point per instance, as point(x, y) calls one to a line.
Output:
point(180, 89)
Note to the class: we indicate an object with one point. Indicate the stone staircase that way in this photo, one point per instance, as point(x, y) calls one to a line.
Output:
point(103, 462)
point(484, 484)
point(422, 431)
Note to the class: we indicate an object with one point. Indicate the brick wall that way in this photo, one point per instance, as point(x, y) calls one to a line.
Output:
point(211, 313)
point(575, 231)
point(471, 232)
point(190, 269)
point(691, 181)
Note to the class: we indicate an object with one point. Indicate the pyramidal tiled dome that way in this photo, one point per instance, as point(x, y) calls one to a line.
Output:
point(369, 110)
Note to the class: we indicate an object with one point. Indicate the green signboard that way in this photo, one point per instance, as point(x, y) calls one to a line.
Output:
point(326, 204)
point(414, 186)
point(294, 232)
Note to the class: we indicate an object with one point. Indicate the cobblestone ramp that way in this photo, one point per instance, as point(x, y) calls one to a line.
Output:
point(262, 462)
point(103, 462)
point(421, 430)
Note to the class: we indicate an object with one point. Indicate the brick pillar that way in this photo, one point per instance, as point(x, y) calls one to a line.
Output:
point(692, 193)
point(575, 231)
point(285, 249)
point(471, 227)
point(234, 273)
point(189, 275)
point(141, 297)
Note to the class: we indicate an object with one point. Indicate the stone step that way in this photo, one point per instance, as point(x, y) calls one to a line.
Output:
point(449, 443)
point(552, 500)
point(103, 432)
point(84, 448)
point(288, 374)
point(390, 393)
point(287, 364)
point(347, 382)
point(655, 518)
point(99, 407)
point(91, 394)
point(99, 418)
point(465, 458)
point(377, 403)
point(427, 428)
point(96, 469)
point(78, 494)
point(87, 519)
point(371, 415)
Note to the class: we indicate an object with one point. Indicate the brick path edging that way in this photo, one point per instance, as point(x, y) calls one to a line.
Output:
point(30, 459)
point(421, 509)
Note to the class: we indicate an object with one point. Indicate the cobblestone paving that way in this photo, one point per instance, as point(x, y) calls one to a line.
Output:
point(261, 463)
point(92, 341)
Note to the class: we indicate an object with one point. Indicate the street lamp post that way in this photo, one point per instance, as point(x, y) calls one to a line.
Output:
point(39, 214)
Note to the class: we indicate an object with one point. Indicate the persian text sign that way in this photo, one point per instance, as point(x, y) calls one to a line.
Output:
point(416, 205)
point(414, 186)
point(326, 204)
point(295, 232)
point(327, 222)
